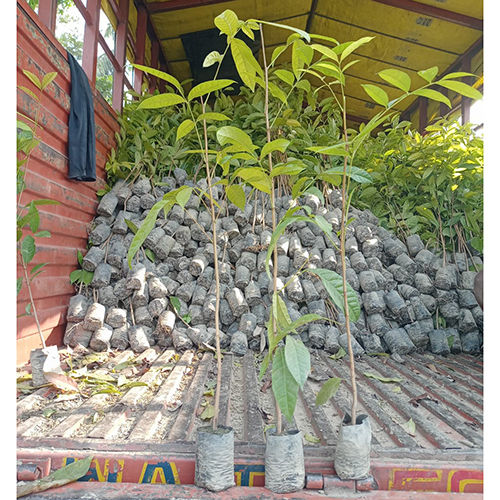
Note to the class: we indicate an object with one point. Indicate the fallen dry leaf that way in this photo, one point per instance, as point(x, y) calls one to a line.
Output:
point(62, 382)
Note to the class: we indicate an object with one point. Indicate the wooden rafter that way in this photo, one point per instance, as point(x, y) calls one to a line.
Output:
point(47, 11)
point(312, 12)
point(170, 5)
point(437, 12)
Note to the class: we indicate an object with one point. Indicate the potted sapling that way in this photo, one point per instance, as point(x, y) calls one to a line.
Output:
point(352, 453)
point(45, 359)
point(214, 467)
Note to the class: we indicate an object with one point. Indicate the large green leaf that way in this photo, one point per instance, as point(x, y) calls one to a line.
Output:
point(302, 55)
point(34, 79)
point(227, 22)
point(396, 77)
point(285, 75)
point(182, 195)
point(47, 79)
point(277, 52)
point(277, 92)
point(212, 58)
point(234, 135)
point(28, 249)
point(236, 195)
point(285, 388)
point(162, 75)
point(287, 169)
point(334, 286)
point(207, 87)
point(184, 128)
point(429, 74)
point(326, 51)
point(298, 360)
point(376, 93)
point(276, 145)
point(213, 116)
point(161, 101)
point(245, 62)
point(292, 327)
point(350, 47)
point(146, 227)
point(328, 389)
point(457, 74)
point(433, 94)
point(460, 88)
point(280, 312)
point(337, 150)
point(256, 177)
point(355, 173)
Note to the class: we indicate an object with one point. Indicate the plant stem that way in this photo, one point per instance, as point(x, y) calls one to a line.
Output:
point(216, 273)
point(26, 277)
point(344, 274)
point(273, 205)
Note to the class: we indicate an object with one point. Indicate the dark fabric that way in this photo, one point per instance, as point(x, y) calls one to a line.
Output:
point(81, 133)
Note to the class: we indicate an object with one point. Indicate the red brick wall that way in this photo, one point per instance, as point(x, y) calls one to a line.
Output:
point(39, 52)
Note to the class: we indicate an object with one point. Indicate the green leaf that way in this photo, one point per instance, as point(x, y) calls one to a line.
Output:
point(385, 380)
point(175, 303)
point(355, 173)
point(338, 355)
point(184, 128)
point(280, 311)
point(47, 79)
point(350, 47)
point(396, 78)
point(208, 412)
point(326, 51)
point(276, 145)
point(277, 52)
point(234, 135)
point(311, 438)
point(460, 88)
point(236, 195)
point(301, 55)
point(33, 218)
point(79, 257)
point(227, 22)
point(182, 195)
point(377, 94)
point(213, 116)
point(245, 62)
point(285, 75)
point(334, 286)
point(28, 249)
point(42, 234)
point(302, 33)
point(433, 94)
point(60, 477)
point(146, 227)
point(162, 75)
point(285, 388)
point(212, 58)
point(131, 226)
point(150, 254)
point(37, 267)
point(287, 169)
point(409, 427)
point(44, 201)
point(161, 101)
point(277, 92)
point(292, 327)
point(256, 177)
point(19, 284)
point(297, 359)
point(457, 74)
point(429, 74)
point(337, 150)
point(328, 390)
point(34, 79)
point(207, 87)
point(324, 37)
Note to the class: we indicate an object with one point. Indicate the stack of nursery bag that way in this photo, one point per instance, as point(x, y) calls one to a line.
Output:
point(401, 286)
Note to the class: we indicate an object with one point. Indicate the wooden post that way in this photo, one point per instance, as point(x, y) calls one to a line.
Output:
point(140, 45)
point(466, 101)
point(155, 51)
point(120, 54)
point(422, 114)
point(89, 57)
point(47, 12)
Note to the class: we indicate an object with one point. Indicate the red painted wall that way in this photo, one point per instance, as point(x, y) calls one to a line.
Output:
point(39, 52)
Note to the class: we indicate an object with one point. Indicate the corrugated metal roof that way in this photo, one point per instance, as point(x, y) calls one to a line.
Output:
point(409, 35)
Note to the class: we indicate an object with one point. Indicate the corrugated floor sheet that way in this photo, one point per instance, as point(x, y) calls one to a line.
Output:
point(435, 403)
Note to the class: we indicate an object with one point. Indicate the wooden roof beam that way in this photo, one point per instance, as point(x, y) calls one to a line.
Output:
point(437, 12)
point(170, 5)
point(312, 12)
